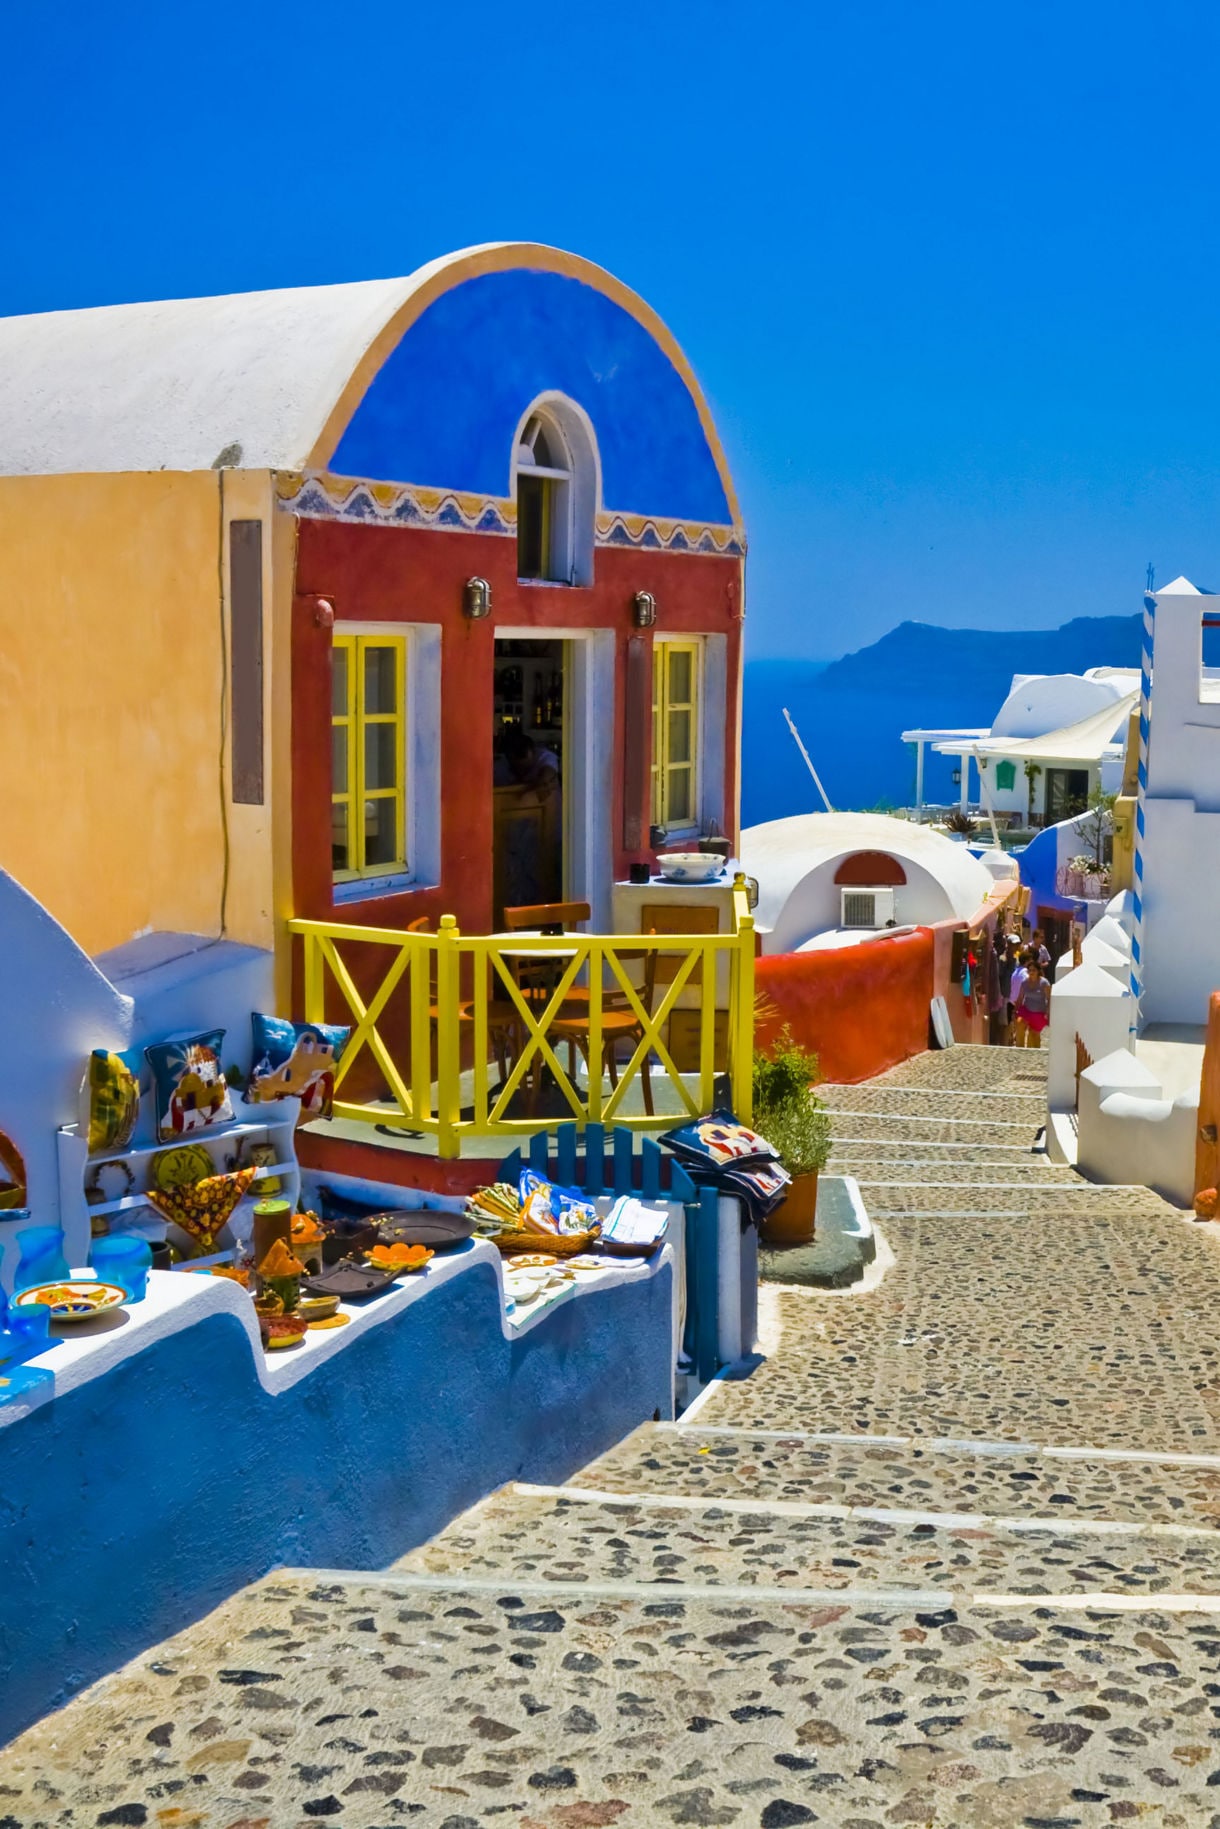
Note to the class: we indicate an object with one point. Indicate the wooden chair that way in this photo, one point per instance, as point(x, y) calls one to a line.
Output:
point(619, 1023)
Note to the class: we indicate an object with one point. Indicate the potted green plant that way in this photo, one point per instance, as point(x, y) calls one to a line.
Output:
point(789, 1114)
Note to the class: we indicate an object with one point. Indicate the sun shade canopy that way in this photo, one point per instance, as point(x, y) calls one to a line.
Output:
point(1089, 740)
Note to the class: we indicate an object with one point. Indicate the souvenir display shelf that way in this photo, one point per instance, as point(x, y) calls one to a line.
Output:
point(273, 1124)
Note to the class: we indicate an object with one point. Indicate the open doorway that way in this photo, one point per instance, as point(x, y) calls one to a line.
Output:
point(532, 716)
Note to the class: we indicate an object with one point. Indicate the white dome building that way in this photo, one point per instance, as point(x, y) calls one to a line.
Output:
point(816, 873)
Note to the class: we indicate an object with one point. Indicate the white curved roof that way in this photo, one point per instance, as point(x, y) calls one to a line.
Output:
point(782, 853)
point(170, 385)
point(1040, 702)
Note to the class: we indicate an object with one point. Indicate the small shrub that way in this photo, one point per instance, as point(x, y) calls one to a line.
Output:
point(787, 1112)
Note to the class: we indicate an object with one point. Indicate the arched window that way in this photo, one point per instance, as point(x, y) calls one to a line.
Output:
point(870, 870)
point(544, 505)
point(555, 473)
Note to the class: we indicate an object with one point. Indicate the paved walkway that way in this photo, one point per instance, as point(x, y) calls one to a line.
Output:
point(950, 1557)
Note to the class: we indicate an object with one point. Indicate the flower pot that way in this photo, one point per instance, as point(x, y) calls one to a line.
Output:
point(793, 1222)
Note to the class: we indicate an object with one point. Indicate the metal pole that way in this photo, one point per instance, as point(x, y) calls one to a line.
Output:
point(808, 764)
point(986, 799)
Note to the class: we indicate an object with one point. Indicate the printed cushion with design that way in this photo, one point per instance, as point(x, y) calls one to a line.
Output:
point(716, 1141)
point(111, 1099)
point(296, 1060)
point(189, 1085)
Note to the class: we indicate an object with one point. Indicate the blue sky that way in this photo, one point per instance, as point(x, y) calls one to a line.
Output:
point(948, 272)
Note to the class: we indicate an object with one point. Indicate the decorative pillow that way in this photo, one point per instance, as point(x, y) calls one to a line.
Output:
point(296, 1060)
point(189, 1084)
point(716, 1141)
point(112, 1092)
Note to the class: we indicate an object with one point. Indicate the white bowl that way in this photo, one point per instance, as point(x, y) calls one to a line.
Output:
point(690, 866)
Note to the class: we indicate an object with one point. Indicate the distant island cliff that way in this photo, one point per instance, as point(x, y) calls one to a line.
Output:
point(852, 712)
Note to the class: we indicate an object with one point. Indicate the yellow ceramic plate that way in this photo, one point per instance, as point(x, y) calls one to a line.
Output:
point(73, 1300)
point(182, 1166)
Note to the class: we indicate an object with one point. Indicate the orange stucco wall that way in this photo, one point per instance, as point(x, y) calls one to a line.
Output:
point(861, 1008)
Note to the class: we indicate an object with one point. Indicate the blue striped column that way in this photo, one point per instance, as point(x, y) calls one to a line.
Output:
point(1137, 894)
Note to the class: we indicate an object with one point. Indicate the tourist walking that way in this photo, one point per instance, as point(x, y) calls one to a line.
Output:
point(1033, 1007)
point(1020, 970)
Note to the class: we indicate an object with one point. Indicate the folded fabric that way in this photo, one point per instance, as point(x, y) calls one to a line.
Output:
point(633, 1222)
point(717, 1140)
point(760, 1187)
point(203, 1210)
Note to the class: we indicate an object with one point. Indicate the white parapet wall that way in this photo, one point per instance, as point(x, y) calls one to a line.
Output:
point(1130, 1134)
point(1090, 1003)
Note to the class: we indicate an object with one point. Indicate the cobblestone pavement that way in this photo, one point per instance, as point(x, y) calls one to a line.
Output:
point(950, 1556)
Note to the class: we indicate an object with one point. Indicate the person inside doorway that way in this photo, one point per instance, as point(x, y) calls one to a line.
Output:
point(1033, 1007)
point(1042, 951)
point(522, 762)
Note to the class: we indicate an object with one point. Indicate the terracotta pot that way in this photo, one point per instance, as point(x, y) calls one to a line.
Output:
point(792, 1222)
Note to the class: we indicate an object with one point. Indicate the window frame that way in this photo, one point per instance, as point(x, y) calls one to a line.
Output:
point(662, 769)
point(555, 494)
point(357, 721)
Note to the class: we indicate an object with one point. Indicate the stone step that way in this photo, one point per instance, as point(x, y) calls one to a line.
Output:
point(919, 1112)
point(930, 1197)
point(1090, 1320)
point(886, 1148)
point(966, 1068)
point(523, 1534)
point(999, 1479)
point(864, 1126)
point(950, 1171)
point(369, 1701)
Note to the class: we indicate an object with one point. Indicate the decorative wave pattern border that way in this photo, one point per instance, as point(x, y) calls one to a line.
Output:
point(318, 497)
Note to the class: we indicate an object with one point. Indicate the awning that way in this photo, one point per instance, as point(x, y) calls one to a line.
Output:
point(1086, 741)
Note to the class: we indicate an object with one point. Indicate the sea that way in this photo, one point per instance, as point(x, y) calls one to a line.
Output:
point(854, 739)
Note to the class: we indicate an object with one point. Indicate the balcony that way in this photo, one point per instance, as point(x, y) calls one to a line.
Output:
point(575, 1026)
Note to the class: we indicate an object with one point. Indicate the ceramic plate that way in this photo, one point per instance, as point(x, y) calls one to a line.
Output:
point(348, 1280)
point(73, 1300)
point(423, 1227)
point(183, 1165)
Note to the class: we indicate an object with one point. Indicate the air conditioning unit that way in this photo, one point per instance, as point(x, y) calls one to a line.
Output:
point(867, 907)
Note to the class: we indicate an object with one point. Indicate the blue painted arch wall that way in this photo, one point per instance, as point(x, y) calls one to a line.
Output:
point(443, 409)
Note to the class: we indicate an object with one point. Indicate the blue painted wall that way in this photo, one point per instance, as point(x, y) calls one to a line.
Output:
point(134, 1504)
point(446, 404)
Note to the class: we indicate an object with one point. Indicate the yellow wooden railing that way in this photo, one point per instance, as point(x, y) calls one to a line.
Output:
point(456, 994)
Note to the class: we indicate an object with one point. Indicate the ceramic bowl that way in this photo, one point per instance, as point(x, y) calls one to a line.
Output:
point(690, 867)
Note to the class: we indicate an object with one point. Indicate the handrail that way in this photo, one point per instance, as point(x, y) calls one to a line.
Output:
point(457, 985)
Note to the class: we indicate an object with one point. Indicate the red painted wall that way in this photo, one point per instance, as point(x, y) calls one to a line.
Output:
point(861, 1008)
point(416, 575)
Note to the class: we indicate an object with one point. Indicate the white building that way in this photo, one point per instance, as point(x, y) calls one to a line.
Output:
point(1127, 1026)
point(1177, 860)
point(831, 879)
point(1053, 740)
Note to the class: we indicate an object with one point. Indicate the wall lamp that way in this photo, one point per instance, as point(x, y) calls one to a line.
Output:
point(476, 599)
point(643, 609)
